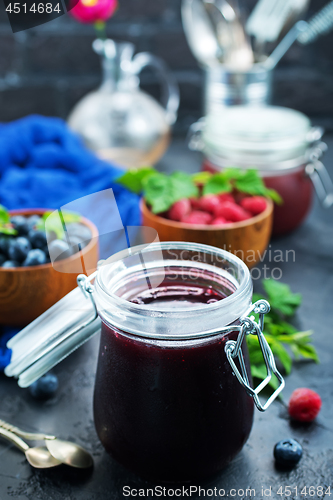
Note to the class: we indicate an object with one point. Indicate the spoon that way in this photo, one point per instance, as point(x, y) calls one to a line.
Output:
point(39, 457)
point(230, 34)
point(200, 33)
point(64, 451)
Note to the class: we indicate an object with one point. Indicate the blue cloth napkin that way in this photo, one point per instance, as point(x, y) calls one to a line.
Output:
point(44, 165)
point(5, 354)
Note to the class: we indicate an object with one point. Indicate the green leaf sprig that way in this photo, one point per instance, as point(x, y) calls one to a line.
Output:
point(161, 191)
point(5, 225)
point(55, 222)
point(286, 342)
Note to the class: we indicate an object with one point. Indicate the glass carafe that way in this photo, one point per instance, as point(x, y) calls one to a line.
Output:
point(118, 120)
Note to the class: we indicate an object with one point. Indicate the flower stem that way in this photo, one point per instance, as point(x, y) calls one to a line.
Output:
point(100, 28)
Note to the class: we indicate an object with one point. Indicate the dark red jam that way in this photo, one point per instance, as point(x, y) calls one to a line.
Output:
point(170, 410)
point(178, 296)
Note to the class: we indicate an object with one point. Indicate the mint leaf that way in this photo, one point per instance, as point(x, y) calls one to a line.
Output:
point(286, 342)
point(273, 195)
point(158, 192)
point(281, 328)
point(256, 357)
point(249, 181)
point(281, 353)
point(217, 184)
point(133, 179)
point(4, 216)
point(55, 222)
point(308, 351)
point(261, 373)
point(8, 230)
point(281, 298)
point(5, 226)
point(302, 337)
point(183, 186)
point(201, 177)
point(233, 173)
point(162, 191)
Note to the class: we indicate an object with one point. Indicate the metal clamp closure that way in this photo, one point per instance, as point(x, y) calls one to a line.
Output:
point(321, 181)
point(233, 350)
point(84, 283)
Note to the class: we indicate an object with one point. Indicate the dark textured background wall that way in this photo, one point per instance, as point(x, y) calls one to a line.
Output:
point(49, 68)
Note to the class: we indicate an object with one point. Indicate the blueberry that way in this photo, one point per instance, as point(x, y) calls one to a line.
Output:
point(20, 224)
point(46, 251)
point(77, 244)
point(59, 250)
point(288, 452)
point(37, 238)
point(32, 221)
point(80, 231)
point(51, 236)
point(4, 244)
point(10, 263)
point(45, 387)
point(19, 248)
point(35, 257)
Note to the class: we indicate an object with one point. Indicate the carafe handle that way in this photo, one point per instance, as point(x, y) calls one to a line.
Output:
point(170, 90)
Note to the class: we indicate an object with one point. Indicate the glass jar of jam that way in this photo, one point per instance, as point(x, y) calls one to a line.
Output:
point(173, 398)
point(166, 402)
point(280, 143)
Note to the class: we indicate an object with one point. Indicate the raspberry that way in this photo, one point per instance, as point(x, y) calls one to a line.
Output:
point(180, 209)
point(195, 203)
point(232, 212)
point(197, 217)
point(219, 221)
point(254, 204)
point(226, 197)
point(304, 405)
point(208, 203)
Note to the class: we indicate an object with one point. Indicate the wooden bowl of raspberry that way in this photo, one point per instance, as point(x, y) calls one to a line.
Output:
point(241, 224)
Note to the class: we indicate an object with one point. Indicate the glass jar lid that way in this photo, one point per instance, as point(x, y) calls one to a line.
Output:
point(145, 268)
point(257, 136)
point(74, 320)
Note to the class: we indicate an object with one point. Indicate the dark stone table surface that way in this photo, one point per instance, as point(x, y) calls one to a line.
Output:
point(69, 414)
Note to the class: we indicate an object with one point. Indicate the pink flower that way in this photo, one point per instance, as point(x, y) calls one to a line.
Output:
point(92, 11)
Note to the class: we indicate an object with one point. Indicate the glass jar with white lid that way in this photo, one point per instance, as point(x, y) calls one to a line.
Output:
point(281, 143)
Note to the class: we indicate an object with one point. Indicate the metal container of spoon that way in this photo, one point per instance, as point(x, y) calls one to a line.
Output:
point(65, 452)
point(215, 34)
point(231, 78)
point(38, 457)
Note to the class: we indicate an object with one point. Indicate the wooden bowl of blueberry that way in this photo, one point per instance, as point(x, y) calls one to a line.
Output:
point(29, 282)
